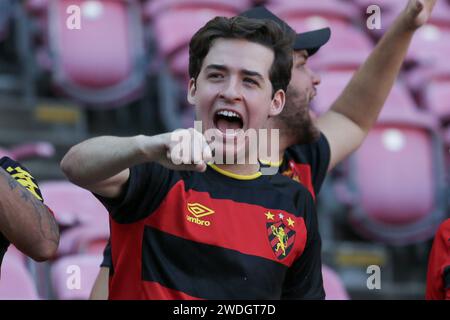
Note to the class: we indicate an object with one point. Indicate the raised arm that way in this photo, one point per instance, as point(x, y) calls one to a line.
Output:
point(356, 110)
point(25, 221)
point(102, 164)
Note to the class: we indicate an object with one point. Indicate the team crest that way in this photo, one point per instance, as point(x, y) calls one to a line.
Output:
point(281, 238)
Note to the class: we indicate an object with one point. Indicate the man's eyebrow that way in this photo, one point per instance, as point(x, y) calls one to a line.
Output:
point(217, 67)
point(252, 74)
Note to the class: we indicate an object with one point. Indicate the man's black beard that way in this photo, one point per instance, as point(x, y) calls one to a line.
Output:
point(295, 121)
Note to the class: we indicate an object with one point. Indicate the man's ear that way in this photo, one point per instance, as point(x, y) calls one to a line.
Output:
point(277, 104)
point(191, 92)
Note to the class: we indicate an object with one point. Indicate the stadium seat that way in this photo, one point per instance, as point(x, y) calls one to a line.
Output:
point(331, 86)
point(397, 175)
point(335, 12)
point(28, 150)
point(347, 49)
point(174, 29)
point(439, 18)
point(16, 282)
point(73, 205)
point(437, 99)
point(152, 9)
point(83, 239)
point(429, 46)
point(102, 64)
point(333, 83)
point(333, 285)
point(73, 276)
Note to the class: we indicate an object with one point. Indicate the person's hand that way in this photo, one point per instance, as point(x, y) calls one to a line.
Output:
point(182, 149)
point(418, 12)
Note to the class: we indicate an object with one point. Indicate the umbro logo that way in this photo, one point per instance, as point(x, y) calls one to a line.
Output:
point(198, 211)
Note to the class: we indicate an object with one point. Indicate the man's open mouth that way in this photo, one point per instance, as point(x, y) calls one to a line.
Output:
point(228, 120)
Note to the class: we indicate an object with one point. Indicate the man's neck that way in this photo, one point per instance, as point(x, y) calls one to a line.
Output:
point(240, 169)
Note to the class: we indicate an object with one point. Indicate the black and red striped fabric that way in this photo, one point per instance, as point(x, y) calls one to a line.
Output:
point(189, 235)
point(307, 164)
point(438, 275)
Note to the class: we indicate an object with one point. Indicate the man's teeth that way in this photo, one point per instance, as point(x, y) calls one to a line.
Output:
point(228, 114)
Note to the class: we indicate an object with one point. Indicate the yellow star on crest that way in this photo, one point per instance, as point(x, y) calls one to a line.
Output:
point(290, 222)
point(269, 215)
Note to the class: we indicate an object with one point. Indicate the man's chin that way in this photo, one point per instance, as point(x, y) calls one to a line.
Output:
point(229, 153)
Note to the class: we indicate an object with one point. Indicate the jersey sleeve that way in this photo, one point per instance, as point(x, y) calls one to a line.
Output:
point(22, 175)
point(304, 278)
point(438, 275)
point(317, 156)
point(146, 187)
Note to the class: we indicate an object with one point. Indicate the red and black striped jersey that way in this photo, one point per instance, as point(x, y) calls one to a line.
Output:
point(22, 176)
point(438, 276)
point(190, 235)
point(307, 164)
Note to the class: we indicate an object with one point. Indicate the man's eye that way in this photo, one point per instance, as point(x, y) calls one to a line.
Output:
point(215, 76)
point(251, 81)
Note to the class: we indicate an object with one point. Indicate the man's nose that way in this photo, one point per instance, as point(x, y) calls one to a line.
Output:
point(231, 90)
point(315, 78)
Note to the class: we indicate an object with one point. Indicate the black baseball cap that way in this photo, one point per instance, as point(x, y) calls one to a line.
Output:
point(310, 41)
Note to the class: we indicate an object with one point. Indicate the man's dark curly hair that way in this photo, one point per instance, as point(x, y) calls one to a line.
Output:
point(264, 32)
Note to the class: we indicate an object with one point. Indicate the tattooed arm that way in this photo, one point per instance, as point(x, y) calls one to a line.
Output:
point(25, 221)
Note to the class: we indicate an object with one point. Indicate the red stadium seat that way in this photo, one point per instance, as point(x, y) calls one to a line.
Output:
point(73, 205)
point(16, 282)
point(65, 272)
point(334, 288)
point(101, 64)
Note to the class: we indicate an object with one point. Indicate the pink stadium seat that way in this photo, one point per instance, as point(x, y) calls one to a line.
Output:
point(29, 150)
point(332, 85)
point(398, 175)
point(16, 283)
point(102, 63)
point(154, 8)
point(84, 239)
point(73, 205)
point(437, 98)
point(64, 274)
point(347, 49)
point(174, 30)
point(385, 5)
point(419, 77)
point(336, 12)
point(429, 46)
point(333, 285)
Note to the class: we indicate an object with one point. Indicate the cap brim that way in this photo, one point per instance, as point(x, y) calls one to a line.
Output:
point(311, 41)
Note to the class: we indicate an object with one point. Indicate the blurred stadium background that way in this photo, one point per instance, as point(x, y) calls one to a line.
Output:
point(125, 72)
